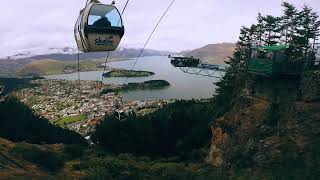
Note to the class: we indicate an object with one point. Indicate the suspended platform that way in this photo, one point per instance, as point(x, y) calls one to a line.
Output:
point(180, 61)
point(193, 65)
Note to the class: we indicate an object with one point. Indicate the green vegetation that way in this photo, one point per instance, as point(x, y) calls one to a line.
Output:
point(180, 129)
point(127, 73)
point(42, 157)
point(15, 84)
point(51, 67)
point(69, 120)
point(152, 84)
point(175, 139)
point(19, 123)
point(125, 166)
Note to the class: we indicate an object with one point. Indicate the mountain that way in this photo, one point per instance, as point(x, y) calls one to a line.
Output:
point(41, 67)
point(213, 53)
point(10, 65)
point(70, 54)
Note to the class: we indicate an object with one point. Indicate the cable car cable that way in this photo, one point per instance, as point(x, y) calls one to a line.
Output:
point(105, 64)
point(79, 79)
point(123, 10)
point(125, 7)
point(145, 45)
point(104, 68)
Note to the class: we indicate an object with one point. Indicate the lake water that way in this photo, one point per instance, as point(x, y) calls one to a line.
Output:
point(183, 86)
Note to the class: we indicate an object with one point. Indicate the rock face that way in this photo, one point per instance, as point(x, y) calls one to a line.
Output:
point(264, 131)
point(310, 86)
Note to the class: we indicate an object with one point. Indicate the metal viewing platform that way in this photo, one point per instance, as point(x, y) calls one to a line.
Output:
point(193, 65)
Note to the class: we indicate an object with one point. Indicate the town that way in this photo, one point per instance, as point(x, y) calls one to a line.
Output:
point(80, 105)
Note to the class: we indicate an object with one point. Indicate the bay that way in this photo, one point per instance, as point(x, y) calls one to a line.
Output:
point(183, 86)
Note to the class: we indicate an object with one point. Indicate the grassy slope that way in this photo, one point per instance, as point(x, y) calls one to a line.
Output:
point(23, 161)
point(68, 120)
point(28, 161)
point(50, 67)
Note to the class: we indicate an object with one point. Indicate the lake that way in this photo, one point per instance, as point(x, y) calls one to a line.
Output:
point(183, 86)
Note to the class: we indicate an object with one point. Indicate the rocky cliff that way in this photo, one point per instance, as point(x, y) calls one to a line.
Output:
point(274, 124)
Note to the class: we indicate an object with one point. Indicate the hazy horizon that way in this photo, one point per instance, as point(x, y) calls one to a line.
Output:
point(34, 26)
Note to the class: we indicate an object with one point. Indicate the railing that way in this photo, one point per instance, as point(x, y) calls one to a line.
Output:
point(208, 70)
point(193, 65)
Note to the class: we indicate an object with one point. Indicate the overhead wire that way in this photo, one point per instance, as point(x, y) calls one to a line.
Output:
point(153, 31)
point(79, 79)
point(104, 68)
point(108, 53)
point(125, 7)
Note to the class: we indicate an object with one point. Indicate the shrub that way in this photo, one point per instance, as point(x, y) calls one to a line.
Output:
point(44, 158)
point(73, 151)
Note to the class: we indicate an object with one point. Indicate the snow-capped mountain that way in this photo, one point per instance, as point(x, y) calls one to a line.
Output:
point(40, 51)
point(70, 54)
point(9, 65)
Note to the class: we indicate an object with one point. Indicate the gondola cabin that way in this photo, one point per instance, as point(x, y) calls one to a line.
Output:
point(273, 61)
point(121, 115)
point(98, 28)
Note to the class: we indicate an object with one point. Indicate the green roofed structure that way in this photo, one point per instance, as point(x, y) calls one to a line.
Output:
point(273, 61)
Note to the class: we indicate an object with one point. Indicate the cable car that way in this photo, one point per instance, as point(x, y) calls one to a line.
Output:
point(273, 61)
point(99, 27)
point(121, 115)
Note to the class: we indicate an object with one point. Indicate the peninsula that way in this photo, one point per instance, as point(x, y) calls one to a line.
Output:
point(152, 84)
point(127, 73)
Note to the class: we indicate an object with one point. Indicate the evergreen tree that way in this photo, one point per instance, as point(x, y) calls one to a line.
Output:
point(20, 123)
point(289, 22)
point(260, 28)
point(307, 32)
point(272, 30)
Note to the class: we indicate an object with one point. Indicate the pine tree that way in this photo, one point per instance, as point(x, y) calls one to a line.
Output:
point(272, 30)
point(307, 32)
point(260, 28)
point(289, 22)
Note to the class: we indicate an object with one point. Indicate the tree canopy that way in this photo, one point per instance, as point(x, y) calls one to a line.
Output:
point(19, 123)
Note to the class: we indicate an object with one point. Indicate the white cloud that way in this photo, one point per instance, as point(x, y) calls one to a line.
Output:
point(33, 24)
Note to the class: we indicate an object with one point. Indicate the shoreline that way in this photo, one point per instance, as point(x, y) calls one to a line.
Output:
point(99, 66)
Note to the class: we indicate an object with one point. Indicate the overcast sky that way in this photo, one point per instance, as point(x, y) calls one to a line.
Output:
point(35, 25)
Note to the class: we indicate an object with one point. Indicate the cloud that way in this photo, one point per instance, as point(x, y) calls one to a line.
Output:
point(38, 25)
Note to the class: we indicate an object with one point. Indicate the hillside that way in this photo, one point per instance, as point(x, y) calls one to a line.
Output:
point(58, 161)
point(20, 123)
point(8, 67)
point(41, 68)
point(50, 67)
point(272, 129)
point(213, 53)
point(27, 63)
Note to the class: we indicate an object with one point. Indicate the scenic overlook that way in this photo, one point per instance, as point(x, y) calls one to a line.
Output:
point(160, 90)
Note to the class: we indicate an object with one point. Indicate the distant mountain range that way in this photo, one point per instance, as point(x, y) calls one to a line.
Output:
point(70, 54)
point(10, 65)
point(213, 53)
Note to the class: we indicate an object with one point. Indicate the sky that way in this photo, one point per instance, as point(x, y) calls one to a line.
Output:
point(36, 25)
